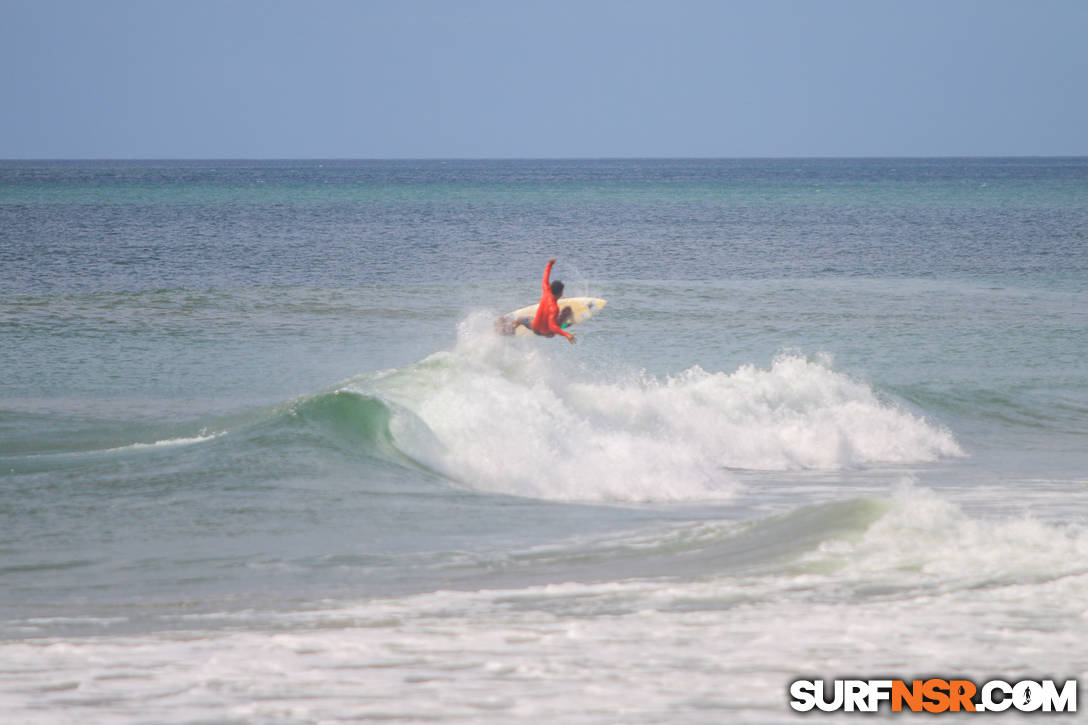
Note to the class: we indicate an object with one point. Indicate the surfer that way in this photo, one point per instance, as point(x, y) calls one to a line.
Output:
point(549, 321)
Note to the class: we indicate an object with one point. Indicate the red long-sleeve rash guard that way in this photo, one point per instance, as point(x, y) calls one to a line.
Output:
point(546, 321)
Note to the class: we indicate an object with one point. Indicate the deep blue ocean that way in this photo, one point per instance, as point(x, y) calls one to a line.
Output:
point(263, 458)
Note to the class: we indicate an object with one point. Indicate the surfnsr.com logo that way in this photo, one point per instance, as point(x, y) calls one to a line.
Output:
point(934, 695)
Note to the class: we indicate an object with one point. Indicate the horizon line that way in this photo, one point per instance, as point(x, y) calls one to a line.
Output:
point(340, 159)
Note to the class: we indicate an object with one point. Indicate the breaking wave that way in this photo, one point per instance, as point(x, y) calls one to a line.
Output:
point(500, 416)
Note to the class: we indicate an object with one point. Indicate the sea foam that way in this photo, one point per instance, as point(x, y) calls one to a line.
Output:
point(515, 417)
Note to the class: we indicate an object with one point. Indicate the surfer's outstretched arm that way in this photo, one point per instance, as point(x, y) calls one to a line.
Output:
point(545, 283)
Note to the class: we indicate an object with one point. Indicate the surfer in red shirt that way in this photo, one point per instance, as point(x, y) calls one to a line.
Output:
point(548, 321)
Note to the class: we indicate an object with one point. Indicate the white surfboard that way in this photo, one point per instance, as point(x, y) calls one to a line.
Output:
point(581, 309)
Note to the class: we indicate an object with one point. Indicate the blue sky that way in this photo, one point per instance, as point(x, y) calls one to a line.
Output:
point(555, 78)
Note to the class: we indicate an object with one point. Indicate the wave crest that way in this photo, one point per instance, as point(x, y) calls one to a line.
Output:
point(523, 419)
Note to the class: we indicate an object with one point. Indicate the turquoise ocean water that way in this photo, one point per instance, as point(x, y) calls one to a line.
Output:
point(262, 458)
